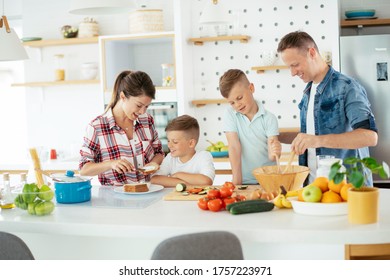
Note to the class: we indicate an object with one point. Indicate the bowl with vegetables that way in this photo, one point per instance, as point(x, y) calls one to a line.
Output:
point(36, 201)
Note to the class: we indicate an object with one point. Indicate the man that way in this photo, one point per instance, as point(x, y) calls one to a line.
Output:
point(335, 114)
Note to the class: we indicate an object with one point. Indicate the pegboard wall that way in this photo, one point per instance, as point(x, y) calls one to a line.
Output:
point(266, 22)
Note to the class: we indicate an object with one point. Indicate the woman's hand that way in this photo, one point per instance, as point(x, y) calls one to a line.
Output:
point(122, 165)
point(155, 165)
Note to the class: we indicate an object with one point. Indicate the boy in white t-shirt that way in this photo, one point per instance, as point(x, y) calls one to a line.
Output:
point(184, 164)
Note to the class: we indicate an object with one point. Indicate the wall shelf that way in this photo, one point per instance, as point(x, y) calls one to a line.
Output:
point(365, 22)
point(202, 40)
point(262, 69)
point(61, 42)
point(204, 102)
point(56, 83)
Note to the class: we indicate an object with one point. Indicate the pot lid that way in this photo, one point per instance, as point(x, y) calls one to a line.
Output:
point(69, 177)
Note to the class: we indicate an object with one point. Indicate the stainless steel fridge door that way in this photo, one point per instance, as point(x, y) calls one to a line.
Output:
point(367, 59)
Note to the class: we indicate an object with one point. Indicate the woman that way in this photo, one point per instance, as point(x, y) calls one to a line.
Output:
point(123, 139)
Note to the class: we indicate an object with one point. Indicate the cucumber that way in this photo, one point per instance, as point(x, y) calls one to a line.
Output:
point(181, 187)
point(244, 202)
point(259, 206)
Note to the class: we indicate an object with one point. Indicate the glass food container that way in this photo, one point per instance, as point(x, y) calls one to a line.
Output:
point(59, 70)
point(167, 74)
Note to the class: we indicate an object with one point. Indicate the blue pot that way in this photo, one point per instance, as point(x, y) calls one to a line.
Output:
point(75, 191)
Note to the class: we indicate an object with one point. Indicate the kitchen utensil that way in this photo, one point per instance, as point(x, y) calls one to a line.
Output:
point(70, 188)
point(178, 196)
point(270, 180)
point(290, 160)
point(278, 164)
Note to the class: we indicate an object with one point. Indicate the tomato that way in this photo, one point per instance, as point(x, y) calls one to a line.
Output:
point(228, 200)
point(229, 185)
point(202, 203)
point(215, 205)
point(213, 193)
point(226, 192)
point(240, 197)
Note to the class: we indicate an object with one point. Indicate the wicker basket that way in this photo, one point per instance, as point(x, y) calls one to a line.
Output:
point(141, 21)
point(270, 180)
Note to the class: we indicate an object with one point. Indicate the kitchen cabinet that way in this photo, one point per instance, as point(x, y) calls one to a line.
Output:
point(144, 52)
point(40, 44)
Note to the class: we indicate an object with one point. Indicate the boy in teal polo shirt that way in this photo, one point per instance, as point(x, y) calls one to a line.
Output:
point(251, 131)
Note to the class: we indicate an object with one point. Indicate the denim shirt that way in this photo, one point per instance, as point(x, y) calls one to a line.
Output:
point(340, 105)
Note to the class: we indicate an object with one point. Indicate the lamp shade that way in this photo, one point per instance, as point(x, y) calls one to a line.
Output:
point(11, 47)
point(100, 7)
point(215, 13)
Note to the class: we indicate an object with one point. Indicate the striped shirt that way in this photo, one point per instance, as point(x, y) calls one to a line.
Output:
point(105, 140)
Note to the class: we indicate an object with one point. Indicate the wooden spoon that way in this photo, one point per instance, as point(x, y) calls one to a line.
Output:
point(278, 164)
point(288, 167)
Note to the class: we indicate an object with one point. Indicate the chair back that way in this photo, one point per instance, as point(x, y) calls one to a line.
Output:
point(213, 245)
point(13, 248)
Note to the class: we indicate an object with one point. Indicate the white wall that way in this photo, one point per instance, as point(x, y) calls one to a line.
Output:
point(57, 116)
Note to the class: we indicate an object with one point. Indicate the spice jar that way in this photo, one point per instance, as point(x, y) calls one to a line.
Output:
point(167, 74)
point(59, 71)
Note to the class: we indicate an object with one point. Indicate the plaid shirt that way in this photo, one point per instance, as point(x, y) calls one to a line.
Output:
point(105, 140)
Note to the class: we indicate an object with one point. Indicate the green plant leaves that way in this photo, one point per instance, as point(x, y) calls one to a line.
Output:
point(356, 178)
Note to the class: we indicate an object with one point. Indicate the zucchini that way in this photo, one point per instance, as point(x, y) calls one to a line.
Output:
point(259, 206)
point(244, 202)
point(181, 187)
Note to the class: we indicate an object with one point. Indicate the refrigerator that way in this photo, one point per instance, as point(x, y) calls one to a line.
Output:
point(367, 59)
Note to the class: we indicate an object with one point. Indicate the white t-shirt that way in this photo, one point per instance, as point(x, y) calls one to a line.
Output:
point(201, 163)
point(310, 129)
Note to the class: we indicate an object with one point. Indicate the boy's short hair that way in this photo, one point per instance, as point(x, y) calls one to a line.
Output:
point(185, 123)
point(229, 79)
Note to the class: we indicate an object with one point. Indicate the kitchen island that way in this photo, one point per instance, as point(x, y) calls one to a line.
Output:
point(111, 227)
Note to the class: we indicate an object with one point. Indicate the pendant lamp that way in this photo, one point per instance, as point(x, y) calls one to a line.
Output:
point(214, 13)
point(100, 7)
point(11, 47)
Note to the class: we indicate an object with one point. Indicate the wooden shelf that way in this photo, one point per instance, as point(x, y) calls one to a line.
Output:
point(204, 102)
point(200, 41)
point(262, 69)
point(61, 42)
point(56, 83)
point(366, 22)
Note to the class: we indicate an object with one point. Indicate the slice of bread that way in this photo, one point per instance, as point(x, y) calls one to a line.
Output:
point(136, 188)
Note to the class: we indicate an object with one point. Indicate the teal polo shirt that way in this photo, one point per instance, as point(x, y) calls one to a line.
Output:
point(253, 137)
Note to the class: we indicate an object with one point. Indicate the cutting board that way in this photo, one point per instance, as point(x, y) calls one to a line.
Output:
point(175, 195)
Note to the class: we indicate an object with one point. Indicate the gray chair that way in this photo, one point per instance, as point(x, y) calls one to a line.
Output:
point(13, 248)
point(213, 245)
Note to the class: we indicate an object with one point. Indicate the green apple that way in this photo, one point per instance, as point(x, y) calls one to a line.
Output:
point(312, 193)
point(224, 148)
point(45, 193)
point(209, 148)
point(214, 149)
point(220, 144)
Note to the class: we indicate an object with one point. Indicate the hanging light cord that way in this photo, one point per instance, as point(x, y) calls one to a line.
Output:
point(3, 20)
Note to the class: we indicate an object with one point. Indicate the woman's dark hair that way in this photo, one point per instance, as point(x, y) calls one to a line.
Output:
point(132, 83)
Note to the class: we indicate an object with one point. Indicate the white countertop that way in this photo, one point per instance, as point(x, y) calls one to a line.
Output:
point(113, 227)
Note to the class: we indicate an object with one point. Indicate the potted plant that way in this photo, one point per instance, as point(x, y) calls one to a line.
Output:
point(362, 200)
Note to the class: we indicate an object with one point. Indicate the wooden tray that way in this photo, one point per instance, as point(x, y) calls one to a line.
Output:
point(178, 196)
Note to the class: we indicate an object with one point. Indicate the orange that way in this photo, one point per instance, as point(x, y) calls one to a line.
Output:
point(344, 191)
point(300, 197)
point(331, 197)
point(336, 187)
point(322, 183)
